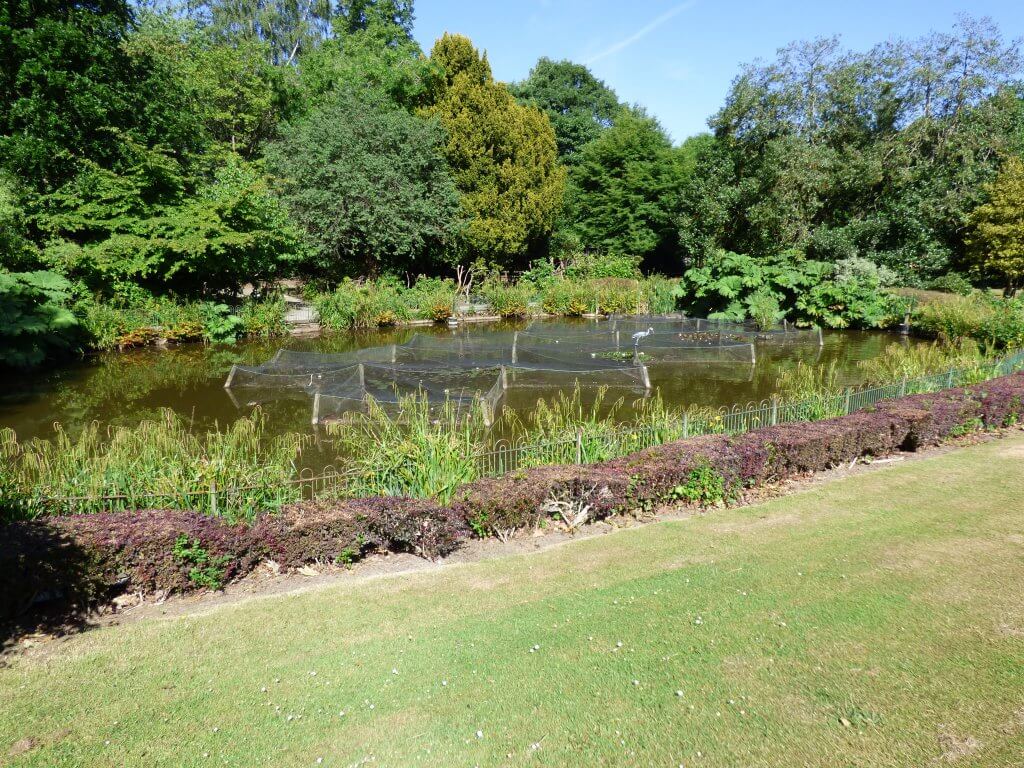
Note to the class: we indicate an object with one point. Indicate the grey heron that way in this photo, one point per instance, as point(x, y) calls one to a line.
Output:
point(640, 335)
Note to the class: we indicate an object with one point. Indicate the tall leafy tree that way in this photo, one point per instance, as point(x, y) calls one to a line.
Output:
point(369, 182)
point(148, 225)
point(997, 239)
point(502, 154)
point(579, 105)
point(880, 154)
point(289, 28)
point(624, 190)
point(372, 46)
point(64, 80)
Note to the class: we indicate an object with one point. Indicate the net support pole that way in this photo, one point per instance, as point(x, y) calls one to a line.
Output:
point(646, 377)
point(394, 353)
point(616, 341)
point(231, 376)
point(515, 342)
point(316, 409)
point(504, 378)
point(821, 339)
point(753, 354)
point(362, 377)
point(486, 412)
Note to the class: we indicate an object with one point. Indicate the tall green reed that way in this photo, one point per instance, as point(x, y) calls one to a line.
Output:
point(232, 472)
point(419, 449)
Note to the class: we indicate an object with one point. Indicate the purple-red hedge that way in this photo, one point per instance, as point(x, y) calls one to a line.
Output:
point(81, 556)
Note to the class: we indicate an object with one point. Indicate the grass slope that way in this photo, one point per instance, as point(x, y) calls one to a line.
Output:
point(873, 621)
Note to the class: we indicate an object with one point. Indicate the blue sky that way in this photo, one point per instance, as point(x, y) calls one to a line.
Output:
point(678, 58)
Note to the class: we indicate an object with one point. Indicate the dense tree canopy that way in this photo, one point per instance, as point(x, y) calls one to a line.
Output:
point(159, 148)
point(369, 182)
point(624, 190)
point(502, 154)
point(881, 154)
point(579, 105)
point(997, 241)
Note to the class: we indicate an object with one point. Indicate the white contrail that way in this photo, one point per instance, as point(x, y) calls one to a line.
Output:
point(628, 41)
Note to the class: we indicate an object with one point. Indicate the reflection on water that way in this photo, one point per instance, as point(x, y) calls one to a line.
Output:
point(124, 388)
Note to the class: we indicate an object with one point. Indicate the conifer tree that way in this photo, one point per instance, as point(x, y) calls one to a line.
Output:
point(503, 156)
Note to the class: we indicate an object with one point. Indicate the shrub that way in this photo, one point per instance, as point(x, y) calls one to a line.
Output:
point(953, 282)
point(35, 323)
point(220, 324)
point(568, 299)
point(361, 305)
point(264, 318)
point(763, 308)
point(660, 294)
point(616, 296)
point(141, 550)
point(342, 531)
point(998, 323)
point(507, 299)
point(594, 265)
point(40, 562)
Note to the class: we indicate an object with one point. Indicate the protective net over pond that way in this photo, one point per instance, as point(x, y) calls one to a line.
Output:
point(475, 370)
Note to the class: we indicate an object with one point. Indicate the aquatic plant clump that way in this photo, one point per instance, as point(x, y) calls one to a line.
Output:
point(233, 472)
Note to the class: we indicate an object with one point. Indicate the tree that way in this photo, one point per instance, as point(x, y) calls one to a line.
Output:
point(16, 251)
point(64, 79)
point(369, 182)
point(378, 53)
point(579, 105)
point(997, 239)
point(289, 28)
point(503, 156)
point(360, 15)
point(624, 190)
point(144, 225)
point(880, 154)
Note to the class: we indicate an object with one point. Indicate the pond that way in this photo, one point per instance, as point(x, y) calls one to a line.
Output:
point(123, 388)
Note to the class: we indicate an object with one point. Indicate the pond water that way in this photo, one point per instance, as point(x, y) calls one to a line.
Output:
point(123, 388)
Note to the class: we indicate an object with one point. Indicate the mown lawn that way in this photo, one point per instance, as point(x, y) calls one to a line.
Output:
point(873, 621)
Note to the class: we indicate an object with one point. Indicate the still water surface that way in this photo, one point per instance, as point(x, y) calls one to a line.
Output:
point(123, 388)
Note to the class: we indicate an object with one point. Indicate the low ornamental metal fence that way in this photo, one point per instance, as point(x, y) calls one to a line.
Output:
point(504, 456)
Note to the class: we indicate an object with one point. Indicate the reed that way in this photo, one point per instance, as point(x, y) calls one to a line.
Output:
point(232, 472)
point(417, 450)
point(565, 429)
point(921, 360)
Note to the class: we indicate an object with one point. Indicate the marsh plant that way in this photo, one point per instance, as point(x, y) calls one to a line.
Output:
point(566, 428)
point(416, 449)
point(232, 472)
point(912, 361)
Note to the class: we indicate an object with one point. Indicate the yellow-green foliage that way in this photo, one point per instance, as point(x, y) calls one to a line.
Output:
point(503, 155)
point(991, 322)
point(900, 361)
point(997, 241)
point(508, 299)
